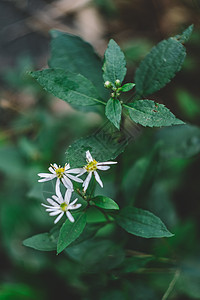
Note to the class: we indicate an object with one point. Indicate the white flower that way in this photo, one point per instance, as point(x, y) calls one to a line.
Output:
point(92, 167)
point(62, 174)
point(59, 206)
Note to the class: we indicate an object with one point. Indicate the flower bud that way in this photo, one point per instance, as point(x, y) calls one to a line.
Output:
point(117, 83)
point(107, 84)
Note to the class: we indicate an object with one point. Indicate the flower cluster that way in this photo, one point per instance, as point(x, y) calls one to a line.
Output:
point(59, 205)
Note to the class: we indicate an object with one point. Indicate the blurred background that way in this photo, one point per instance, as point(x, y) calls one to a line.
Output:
point(36, 128)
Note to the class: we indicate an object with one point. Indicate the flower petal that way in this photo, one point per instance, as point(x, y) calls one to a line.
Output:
point(53, 209)
point(75, 171)
point(107, 163)
point(74, 178)
point(51, 169)
point(67, 183)
point(46, 179)
point(89, 156)
point(103, 168)
point(54, 213)
point(58, 192)
point(48, 206)
point(75, 206)
point(73, 202)
point(59, 217)
point(52, 202)
point(82, 172)
point(98, 179)
point(45, 175)
point(59, 200)
point(68, 195)
point(67, 167)
point(70, 217)
point(87, 181)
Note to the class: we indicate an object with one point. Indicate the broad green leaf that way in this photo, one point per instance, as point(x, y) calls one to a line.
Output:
point(114, 66)
point(106, 144)
point(71, 53)
point(127, 87)
point(184, 37)
point(97, 254)
point(88, 232)
point(152, 114)
point(142, 223)
point(69, 232)
point(42, 242)
point(159, 67)
point(72, 88)
point(179, 141)
point(104, 202)
point(113, 111)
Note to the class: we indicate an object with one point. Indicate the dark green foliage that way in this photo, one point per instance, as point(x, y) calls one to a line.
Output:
point(159, 67)
point(113, 250)
point(113, 111)
point(72, 54)
point(152, 114)
point(114, 67)
point(42, 242)
point(142, 223)
point(104, 202)
point(72, 88)
point(70, 231)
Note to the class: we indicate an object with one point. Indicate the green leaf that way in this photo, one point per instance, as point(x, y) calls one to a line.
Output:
point(97, 254)
point(104, 145)
point(73, 54)
point(127, 87)
point(152, 114)
point(184, 37)
point(142, 223)
point(72, 88)
point(113, 111)
point(69, 232)
point(159, 67)
point(42, 242)
point(114, 66)
point(104, 202)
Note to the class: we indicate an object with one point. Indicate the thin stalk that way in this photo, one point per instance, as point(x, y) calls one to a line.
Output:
point(171, 285)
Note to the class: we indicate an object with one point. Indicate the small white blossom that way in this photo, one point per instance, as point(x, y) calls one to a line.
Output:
point(107, 84)
point(117, 82)
point(59, 206)
point(63, 174)
point(92, 167)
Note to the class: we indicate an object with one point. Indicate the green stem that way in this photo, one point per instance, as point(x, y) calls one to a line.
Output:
point(102, 102)
point(171, 285)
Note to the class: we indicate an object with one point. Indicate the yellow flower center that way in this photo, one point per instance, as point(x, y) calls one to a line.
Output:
point(63, 206)
point(91, 166)
point(60, 172)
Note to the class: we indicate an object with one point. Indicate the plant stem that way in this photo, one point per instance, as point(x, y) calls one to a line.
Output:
point(171, 285)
